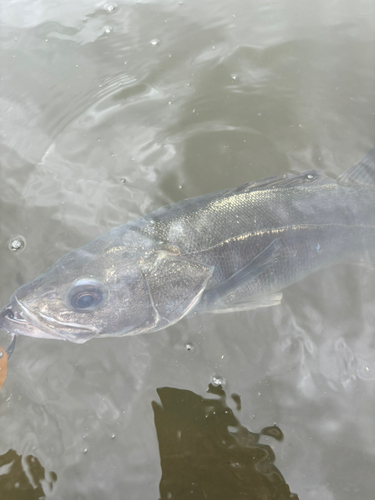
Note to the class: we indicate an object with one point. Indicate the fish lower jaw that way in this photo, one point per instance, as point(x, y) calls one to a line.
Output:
point(17, 319)
point(39, 330)
point(22, 327)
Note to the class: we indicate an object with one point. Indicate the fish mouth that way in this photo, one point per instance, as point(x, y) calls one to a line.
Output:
point(16, 318)
point(13, 321)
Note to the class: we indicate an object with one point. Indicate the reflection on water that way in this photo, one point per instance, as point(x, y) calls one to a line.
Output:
point(206, 453)
point(24, 478)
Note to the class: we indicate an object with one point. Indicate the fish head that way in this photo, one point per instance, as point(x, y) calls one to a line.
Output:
point(79, 298)
point(106, 288)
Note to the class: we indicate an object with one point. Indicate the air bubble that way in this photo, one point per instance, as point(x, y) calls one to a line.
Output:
point(112, 7)
point(217, 381)
point(107, 29)
point(155, 41)
point(234, 77)
point(189, 347)
point(310, 176)
point(85, 450)
point(17, 243)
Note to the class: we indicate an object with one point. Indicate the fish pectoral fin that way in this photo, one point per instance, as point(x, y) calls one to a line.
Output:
point(257, 266)
point(254, 302)
point(175, 285)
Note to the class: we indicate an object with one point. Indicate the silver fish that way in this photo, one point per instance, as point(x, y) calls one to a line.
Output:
point(228, 251)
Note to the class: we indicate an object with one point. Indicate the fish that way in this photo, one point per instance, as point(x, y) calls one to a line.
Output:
point(229, 251)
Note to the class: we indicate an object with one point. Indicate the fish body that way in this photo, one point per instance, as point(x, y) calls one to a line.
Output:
point(227, 251)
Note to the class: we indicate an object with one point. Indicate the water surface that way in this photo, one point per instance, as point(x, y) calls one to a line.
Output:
point(110, 111)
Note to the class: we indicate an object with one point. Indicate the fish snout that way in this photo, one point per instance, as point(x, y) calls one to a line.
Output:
point(16, 319)
point(6, 312)
point(26, 291)
point(10, 315)
point(6, 315)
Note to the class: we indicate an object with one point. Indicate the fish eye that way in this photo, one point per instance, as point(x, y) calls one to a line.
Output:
point(86, 298)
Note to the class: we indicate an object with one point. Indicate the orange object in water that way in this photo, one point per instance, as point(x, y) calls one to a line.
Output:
point(3, 366)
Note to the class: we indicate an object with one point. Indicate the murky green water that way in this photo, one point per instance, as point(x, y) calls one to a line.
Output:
point(109, 111)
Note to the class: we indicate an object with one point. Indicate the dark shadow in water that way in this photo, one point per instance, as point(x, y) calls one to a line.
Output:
point(23, 478)
point(206, 454)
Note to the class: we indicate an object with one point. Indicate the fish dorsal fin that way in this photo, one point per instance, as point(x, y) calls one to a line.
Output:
point(288, 180)
point(362, 172)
